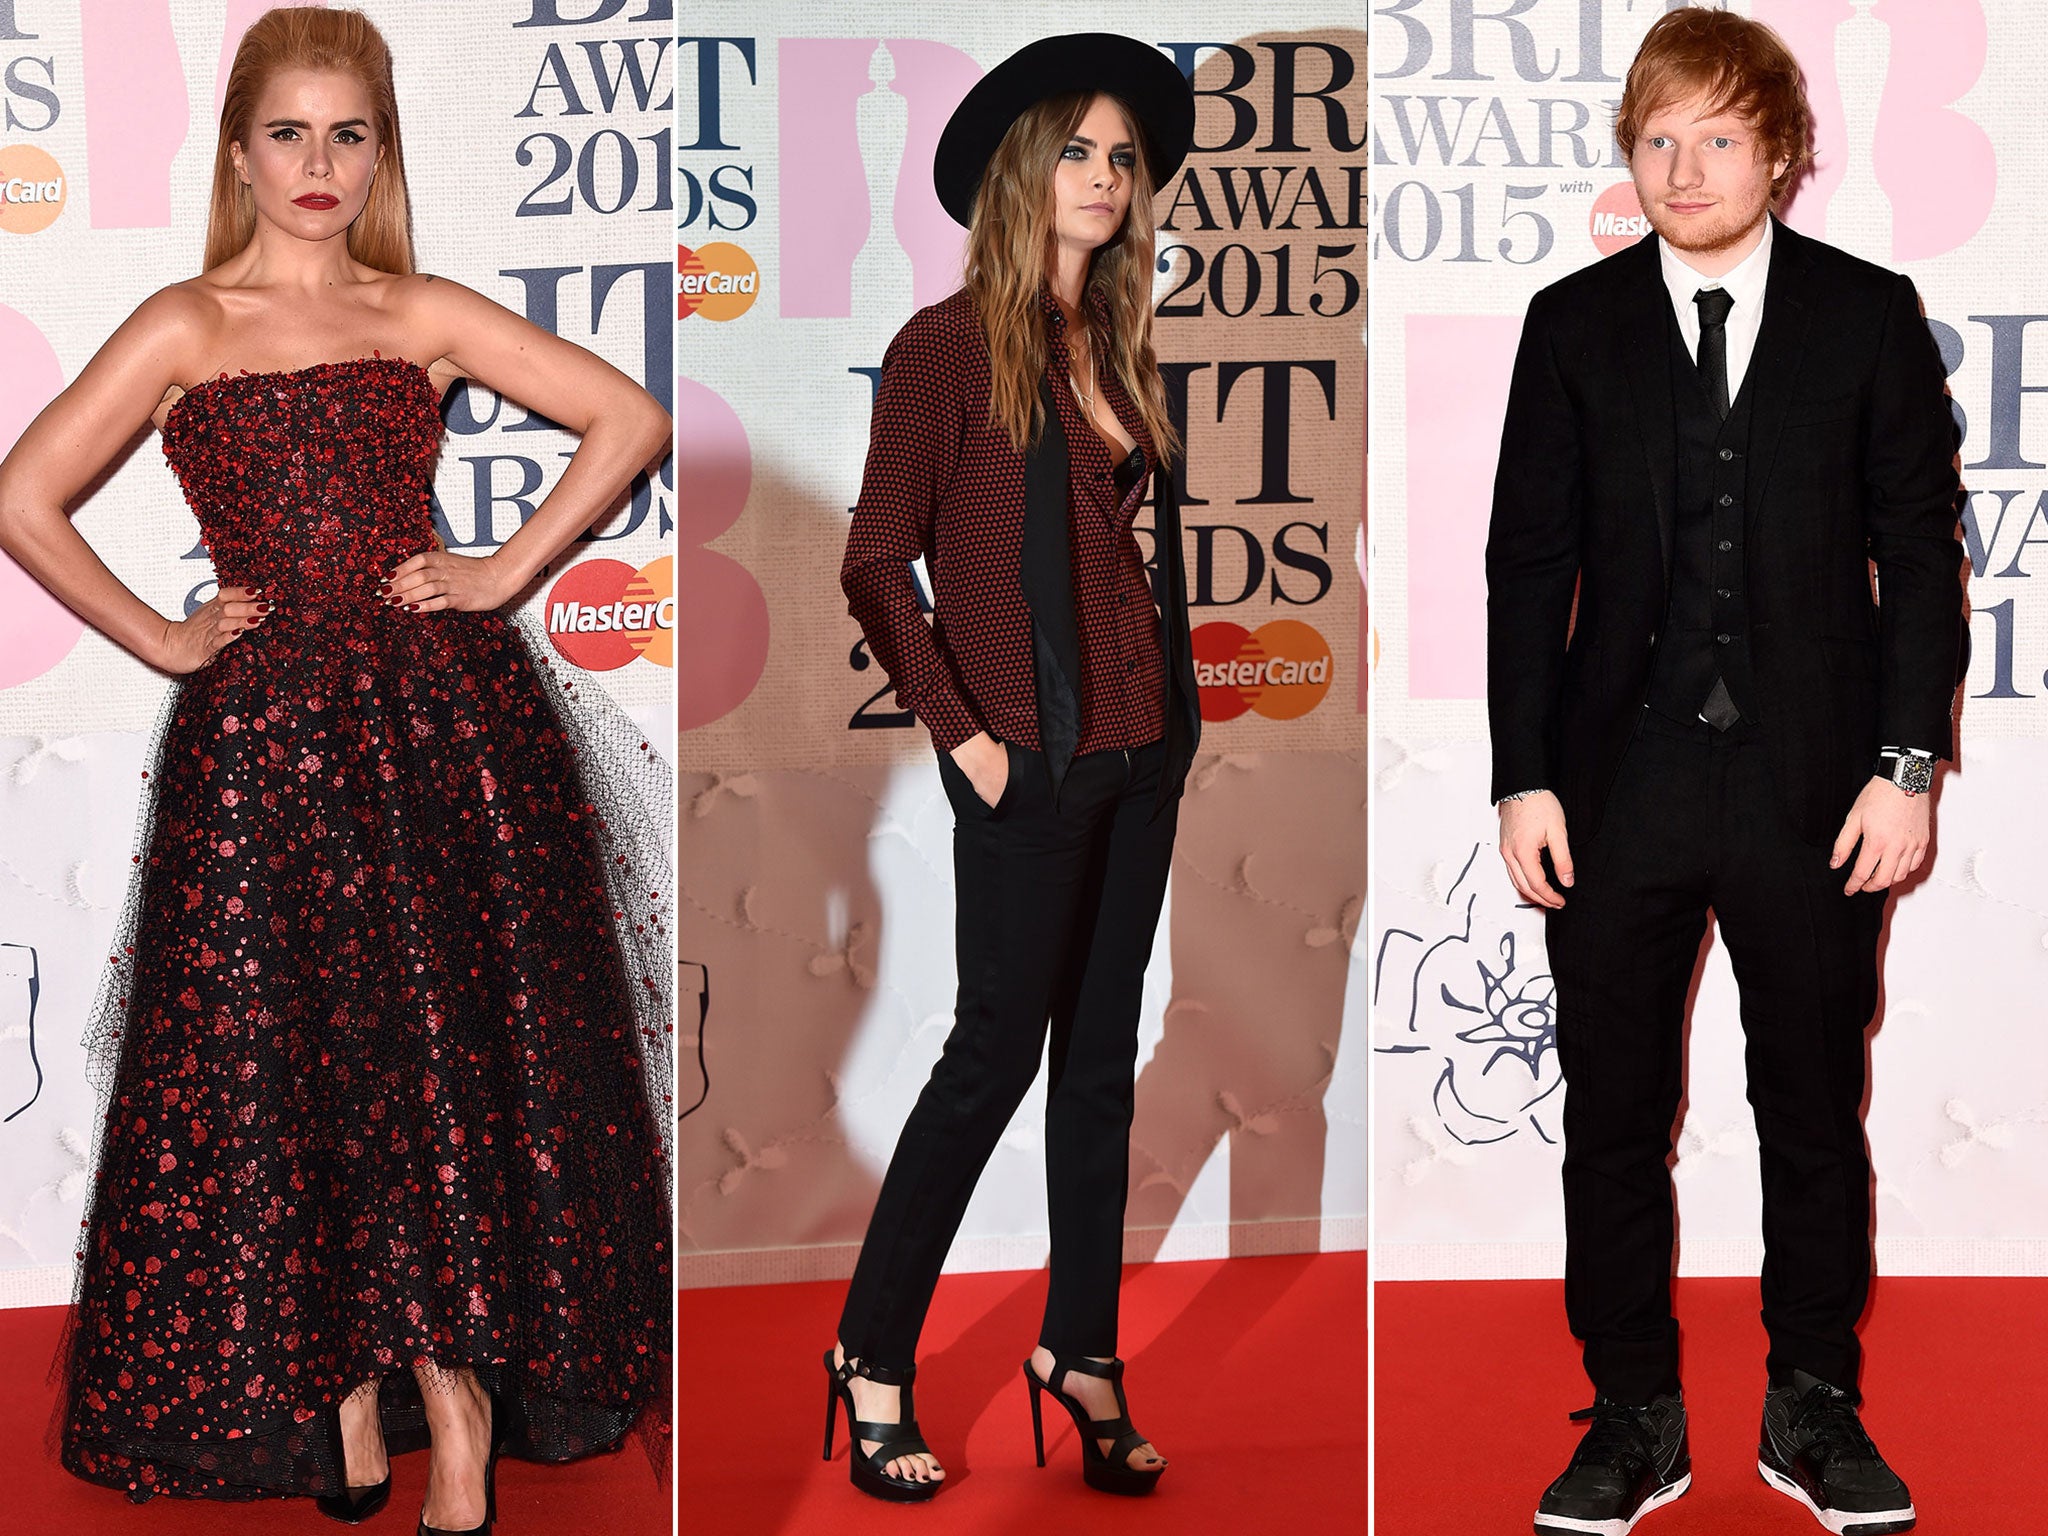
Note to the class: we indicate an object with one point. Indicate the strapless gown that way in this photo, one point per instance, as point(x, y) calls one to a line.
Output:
point(384, 1044)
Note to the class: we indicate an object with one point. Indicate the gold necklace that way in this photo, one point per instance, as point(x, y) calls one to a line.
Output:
point(1087, 400)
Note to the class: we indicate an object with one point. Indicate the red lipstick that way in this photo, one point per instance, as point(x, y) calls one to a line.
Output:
point(318, 200)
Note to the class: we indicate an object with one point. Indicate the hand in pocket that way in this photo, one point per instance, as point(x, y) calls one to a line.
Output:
point(986, 762)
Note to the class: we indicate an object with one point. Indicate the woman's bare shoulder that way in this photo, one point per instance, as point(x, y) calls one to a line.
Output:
point(183, 310)
point(169, 333)
point(436, 307)
point(425, 300)
point(435, 313)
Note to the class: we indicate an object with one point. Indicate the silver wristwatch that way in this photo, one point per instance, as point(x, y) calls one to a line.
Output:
point(1908, 770)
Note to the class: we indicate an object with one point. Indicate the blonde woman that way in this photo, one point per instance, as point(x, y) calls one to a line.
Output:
point(1015, 427)
point(379, 1158)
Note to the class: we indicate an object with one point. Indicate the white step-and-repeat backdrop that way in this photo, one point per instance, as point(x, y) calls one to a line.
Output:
point(1495, 173)
point(815, 837)
point(538, 138)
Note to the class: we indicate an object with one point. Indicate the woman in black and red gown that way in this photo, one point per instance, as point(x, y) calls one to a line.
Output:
point(384, 1160)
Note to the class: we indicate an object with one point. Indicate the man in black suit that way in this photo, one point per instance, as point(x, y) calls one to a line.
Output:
point(1699, 703)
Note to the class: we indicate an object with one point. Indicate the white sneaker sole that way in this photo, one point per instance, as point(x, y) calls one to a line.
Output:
point(1656, 1500)
point(1843, 1522)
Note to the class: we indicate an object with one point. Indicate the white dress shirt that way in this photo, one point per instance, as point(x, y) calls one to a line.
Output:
point(1745, 285)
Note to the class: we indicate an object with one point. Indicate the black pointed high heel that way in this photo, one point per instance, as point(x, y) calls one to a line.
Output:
point(1111, 1473)
point(891, 1440)
point(498, 1438)
point(356, 1503)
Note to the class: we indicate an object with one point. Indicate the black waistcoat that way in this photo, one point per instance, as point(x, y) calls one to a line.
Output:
point(1706, 625)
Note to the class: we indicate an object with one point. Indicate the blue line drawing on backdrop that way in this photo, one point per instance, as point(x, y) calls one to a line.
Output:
point(1484, 1010)
point(703, 1017)
point(11, 971)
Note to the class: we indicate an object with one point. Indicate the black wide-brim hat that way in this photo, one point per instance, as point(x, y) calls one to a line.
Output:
point(1148, 82)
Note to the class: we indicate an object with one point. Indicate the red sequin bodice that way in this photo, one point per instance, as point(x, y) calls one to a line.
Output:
point(310, 484)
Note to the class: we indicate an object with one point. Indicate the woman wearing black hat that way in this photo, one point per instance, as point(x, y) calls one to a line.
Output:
point(1015, 425)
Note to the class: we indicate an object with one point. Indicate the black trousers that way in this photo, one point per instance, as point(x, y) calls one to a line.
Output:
point(1056, 909)
point(1693, 823)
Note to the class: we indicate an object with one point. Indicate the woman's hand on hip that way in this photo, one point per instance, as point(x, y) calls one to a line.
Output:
point(191, 642)
point(435, 579)
point(986, 762)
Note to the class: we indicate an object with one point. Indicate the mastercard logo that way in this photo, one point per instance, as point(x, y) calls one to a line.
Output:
point(718, 281)
point(601, 614)
point(1282, 669)
point(33, 189)
point(1617, 220)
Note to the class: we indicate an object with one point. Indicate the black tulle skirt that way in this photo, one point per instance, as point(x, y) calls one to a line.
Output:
point(385, 1056)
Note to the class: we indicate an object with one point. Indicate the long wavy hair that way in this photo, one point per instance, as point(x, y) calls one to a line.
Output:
point(340, 42)
point(1010, 247)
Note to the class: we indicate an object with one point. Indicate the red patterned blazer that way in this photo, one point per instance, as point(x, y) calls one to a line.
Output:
point(944, 482)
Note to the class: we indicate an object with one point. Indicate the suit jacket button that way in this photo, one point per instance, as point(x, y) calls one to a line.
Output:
point(1727, 500)
point(1722, 639)
point(1724, 546)
point(1727, 454)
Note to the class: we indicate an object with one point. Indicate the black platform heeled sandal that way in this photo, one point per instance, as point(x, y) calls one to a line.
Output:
point(891, 1440)
point(355, 1503)
point(498, 1438)
point(1110, 1473)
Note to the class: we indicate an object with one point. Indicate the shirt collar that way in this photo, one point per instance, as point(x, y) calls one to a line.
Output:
point(1745, 282)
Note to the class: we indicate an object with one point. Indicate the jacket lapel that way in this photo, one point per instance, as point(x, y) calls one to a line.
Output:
point(1644, 329)
point(1773, 376)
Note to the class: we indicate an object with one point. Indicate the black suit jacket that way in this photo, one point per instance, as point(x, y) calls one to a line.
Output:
point(1852, 462)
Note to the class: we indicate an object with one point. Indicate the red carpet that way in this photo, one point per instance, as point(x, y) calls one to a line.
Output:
point(1248, 1373)
point(1475, 1381)
point(614, 1495)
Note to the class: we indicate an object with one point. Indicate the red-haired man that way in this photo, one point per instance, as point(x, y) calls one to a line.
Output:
point(1710, 438)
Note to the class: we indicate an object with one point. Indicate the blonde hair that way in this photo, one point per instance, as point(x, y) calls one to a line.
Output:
point(1009, 251)
point(339, 42)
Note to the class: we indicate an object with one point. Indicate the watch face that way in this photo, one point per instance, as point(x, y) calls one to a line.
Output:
point(1915, 775)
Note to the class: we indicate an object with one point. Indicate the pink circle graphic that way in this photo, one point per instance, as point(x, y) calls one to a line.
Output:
point(721, 611)
point(713, 445)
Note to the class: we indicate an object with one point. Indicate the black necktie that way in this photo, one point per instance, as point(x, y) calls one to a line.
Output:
point(1713, 305)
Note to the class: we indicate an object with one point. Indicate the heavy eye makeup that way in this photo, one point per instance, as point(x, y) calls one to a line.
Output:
point(285, 133)
point(1122, 158)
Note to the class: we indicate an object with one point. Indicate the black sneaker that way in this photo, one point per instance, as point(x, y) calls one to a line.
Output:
point(1814, 1448)
point(1631, 1461)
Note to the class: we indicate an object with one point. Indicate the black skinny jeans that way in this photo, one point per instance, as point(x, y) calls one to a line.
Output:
point(1056, 909)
